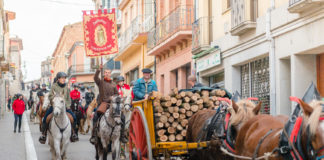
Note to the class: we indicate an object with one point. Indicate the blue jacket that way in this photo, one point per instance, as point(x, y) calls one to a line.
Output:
point(140, 89)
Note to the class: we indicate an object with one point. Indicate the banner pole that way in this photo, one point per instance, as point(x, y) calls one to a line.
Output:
point(102, 75)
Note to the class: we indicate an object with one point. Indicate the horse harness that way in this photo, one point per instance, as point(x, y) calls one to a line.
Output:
point(61, 129)
point(290, 146)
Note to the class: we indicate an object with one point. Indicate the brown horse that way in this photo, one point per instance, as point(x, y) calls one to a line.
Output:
point(89, 112)
point(240, 113)
point(257, 128)
point(43, 105)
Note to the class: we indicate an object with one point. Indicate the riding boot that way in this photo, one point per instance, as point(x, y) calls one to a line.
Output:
point(74, 136)
point(42, 138)
point(93, 139)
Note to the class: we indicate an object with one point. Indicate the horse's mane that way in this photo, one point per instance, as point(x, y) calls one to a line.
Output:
point(313, 119)
point(244, 113)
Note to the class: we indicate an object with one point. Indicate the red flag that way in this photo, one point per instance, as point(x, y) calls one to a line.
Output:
point(100, 33)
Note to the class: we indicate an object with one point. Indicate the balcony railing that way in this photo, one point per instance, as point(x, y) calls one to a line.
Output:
point(201, 31)
point(81, 69)
point(178, 20)
point(140, 24)
point(297, 6)
point(244, 13)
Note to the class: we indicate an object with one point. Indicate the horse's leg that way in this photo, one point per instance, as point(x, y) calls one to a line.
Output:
point(57, 148)
point(116, 149)
point(64, 148)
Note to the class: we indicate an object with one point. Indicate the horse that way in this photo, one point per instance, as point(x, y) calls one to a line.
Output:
point(89, 115)
point(109, 131)
point(33, 115)
point(59, 129)
point(262, 133)
point(212, 125)
point(75, 107)
point(44, 104)
point(127, 113)
point(83, 116)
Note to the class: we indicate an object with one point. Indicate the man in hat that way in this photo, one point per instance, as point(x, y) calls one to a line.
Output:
point(192, 81)
point(144, 86)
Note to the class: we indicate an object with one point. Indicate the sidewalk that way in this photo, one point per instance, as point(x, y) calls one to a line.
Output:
point(12, 145)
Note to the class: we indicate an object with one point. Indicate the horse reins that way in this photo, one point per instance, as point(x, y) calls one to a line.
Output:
point(309, 147)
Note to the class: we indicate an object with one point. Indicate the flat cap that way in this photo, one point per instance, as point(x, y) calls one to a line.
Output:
point(146, 70)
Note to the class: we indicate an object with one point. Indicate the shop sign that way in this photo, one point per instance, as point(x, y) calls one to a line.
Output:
point(209, 61)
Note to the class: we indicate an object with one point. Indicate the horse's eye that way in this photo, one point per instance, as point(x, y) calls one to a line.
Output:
point(62, 101)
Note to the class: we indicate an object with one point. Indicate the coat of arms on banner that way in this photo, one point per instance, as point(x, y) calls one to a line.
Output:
point(100, 33)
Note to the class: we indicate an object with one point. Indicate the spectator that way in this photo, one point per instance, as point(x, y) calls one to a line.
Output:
point(144, 86)
point(9, 103)
point(193, 82)
point(19, 107)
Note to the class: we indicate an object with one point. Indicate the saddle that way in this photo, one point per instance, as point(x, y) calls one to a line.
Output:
point(50, 116)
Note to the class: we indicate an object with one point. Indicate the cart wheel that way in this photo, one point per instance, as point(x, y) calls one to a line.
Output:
point(139, 137)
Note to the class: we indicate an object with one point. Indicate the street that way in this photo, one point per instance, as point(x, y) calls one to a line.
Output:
point(81, 150)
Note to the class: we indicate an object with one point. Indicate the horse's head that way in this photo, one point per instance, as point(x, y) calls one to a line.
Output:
point(242, 111)
point(46, 101)
point(115, 108)
point(58, 104)
point(127, 101)
point(313, 129)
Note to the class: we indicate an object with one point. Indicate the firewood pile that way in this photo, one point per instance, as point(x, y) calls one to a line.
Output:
point(172, 112)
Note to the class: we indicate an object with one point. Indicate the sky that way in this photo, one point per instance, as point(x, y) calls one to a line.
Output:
point(39, 24)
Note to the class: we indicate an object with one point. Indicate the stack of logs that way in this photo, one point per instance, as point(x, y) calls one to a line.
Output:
point(172, 112)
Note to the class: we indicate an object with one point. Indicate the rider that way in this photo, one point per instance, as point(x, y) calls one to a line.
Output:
point(82, 92)
point(59, 87)
point(89, 96)
point(75, 94)
point(41, 93)
point(107, 89)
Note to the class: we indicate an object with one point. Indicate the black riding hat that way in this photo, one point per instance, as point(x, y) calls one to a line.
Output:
point(75, 85)
point(43, 85)
point(120, 78)
point(61, 75)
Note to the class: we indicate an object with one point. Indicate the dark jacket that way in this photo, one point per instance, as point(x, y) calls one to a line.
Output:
point(42, 92)
point(89, 97)
point(59, 90)
point(106, 89)
point(141, 88)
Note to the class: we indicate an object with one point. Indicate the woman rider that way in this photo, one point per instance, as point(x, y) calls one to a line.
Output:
point(59, 86)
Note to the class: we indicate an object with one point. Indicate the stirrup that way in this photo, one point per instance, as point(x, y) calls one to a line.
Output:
point(42, 139)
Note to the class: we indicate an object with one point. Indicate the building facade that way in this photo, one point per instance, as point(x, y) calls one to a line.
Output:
point(46, 76)
point(170, 42)
point(70, 34)
point(270, 49)
point(137, 20)
point(15, 72)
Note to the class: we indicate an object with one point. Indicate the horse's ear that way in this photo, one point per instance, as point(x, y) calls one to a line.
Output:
point(306, 108)
point(235, 107)
point(257, 108)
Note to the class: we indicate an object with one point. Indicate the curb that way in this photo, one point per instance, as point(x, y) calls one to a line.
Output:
point(29, 144)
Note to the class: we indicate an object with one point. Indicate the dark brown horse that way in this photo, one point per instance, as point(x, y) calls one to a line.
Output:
point(258, 127)
point(240, 112)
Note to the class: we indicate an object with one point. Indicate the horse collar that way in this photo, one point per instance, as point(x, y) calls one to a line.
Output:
point(227, 134)
point(61, 129)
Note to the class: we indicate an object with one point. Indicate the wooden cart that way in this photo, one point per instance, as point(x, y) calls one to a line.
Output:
point(142, 139)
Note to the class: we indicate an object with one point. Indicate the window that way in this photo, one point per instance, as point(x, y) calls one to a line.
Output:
point(132, 75)
point(217, 79)
point(255, 82)
point(228, 3)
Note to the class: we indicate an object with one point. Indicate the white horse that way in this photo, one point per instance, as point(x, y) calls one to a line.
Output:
point(33, 112)
point(127, 112)
point(59, 129)
point(109, 132)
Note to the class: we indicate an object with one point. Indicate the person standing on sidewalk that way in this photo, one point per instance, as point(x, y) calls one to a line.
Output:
point(9, 103)
point(19, 107)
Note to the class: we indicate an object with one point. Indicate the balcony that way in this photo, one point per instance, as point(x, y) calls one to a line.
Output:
point(201, 34)
point(298, 6)
point(135, 33)
point(243, 16)
point(171, 29)
point(81, 69)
